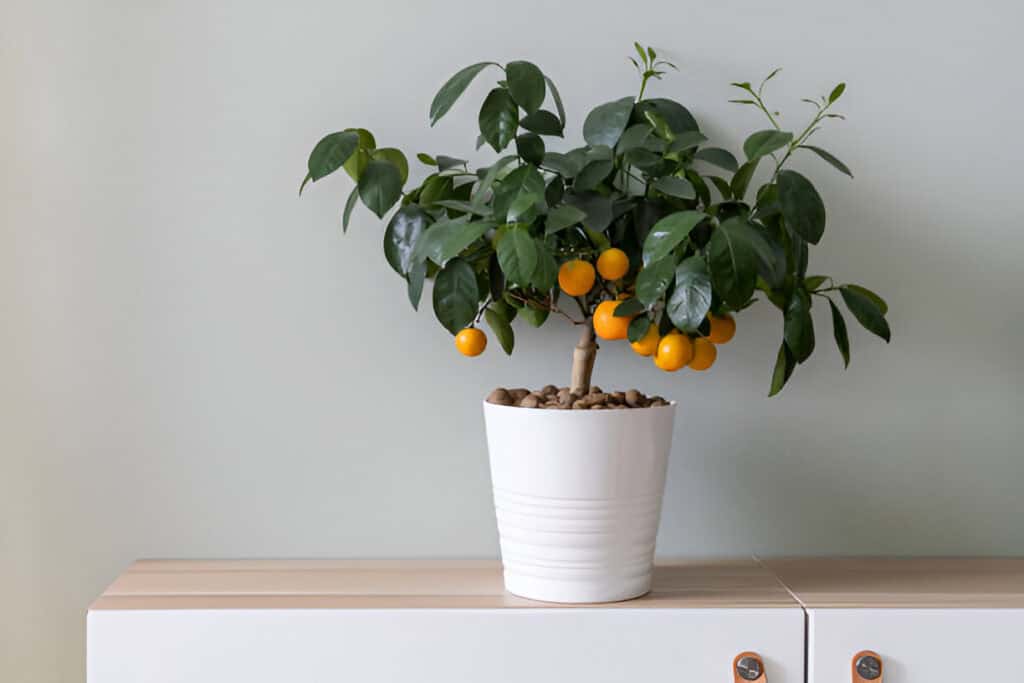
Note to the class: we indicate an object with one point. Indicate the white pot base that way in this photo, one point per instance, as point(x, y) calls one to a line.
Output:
point(577, 498)
point(575, 591)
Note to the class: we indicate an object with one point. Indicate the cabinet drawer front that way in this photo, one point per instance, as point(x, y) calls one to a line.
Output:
point(917, 645)
point(433, 646)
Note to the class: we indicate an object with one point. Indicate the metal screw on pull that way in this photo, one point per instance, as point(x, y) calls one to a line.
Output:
point(869, 667)
point(748, 668)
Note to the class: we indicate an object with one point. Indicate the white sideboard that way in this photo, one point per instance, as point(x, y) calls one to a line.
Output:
point(263, 621)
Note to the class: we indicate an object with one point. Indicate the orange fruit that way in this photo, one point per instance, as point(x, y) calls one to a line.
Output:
point(606, 325)
point(722, 329)
point(649, 344)
point(674, 351)
point(704, 354)
point(471, 341)
point(576, 277)
point(612, 264)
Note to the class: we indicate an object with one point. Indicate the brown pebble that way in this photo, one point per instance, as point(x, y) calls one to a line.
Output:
point(500, 397)
point(632, 397)
point(658, 402)
point(549, 389)
point(598, 398)
point(617, 396)
point(597, 406)
point(518, 394)
point(529, 401)
point(579, 405)
point(596, 390)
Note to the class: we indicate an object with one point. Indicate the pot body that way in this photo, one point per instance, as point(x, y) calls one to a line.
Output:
point(577, 495)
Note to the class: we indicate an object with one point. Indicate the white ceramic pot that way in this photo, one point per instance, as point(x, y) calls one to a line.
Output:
point(578, 498)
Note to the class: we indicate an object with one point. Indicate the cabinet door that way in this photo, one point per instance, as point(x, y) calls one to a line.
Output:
point(596, 645)
point(918, 645)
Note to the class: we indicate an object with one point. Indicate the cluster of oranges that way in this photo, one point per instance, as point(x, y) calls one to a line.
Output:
point(672, 351)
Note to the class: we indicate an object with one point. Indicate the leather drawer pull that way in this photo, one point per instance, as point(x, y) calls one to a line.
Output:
point(746, 667)
point(866, 667)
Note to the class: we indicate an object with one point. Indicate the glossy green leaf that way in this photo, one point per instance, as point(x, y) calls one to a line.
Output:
point(414, 284)
point(431, 244)
point(686, 140)
point(518, 193)
point(765, 142)
point(330, 154)
point(562, 164)
point(691, 298)
point(534, 316)
point(668, 233)
point(426, 159)
point(480, 196)
point(827, 156)
point(542, 122)
point(396, 157)
point(462, 238)
point(722, 185)
point(456, 295)
point(526, 85)
point(498, 119)
point(530, 148)
point(675, 187)
point(812, 282)
point(545, 276)
point(798, 328)
point(840, 334)
point(627, 308)
point(453, 89)
point(679, 119)
point(501, 327)
point(517, 255)
point(380, 186)
point(716, 156)
point(878, 301)
point(434, 189)
point(741, 180)
point(836, 93)
point(605, 124)
point(784, 365)
point(597, 207)
point(444, 162)
point(801, 206)
point(592, 175)
point(733, 260)
point(356, 163)
point(866, 311)
point(557, 97)
point(464, 207)
point(404, 229)
point(350, 204)
point(638, 328)
point(562, 217)
point(653, 279)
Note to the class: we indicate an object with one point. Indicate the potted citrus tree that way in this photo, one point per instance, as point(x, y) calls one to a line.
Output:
point(645, 236)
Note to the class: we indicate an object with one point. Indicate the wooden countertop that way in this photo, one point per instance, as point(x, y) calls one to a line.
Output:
point(813, 583)
point(923, 582)
point(355, 584)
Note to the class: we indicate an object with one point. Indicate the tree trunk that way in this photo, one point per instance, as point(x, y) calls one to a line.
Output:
point(583, 357)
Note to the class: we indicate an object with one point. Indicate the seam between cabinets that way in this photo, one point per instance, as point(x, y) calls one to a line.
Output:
point(803, 608)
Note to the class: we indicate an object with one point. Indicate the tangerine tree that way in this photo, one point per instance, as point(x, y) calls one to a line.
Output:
point(645, 233)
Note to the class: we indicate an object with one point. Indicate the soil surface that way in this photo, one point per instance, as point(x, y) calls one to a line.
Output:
point(560, 398)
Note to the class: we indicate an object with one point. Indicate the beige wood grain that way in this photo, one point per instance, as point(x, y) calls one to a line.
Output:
point(250, 584)
point(878, 582)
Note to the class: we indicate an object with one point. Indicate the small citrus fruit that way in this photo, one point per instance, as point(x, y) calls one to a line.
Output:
point(674, 351)
point(704, 354)
point(649, 343)
point(576, 277)
point(612, 264)
point(471, 341)
point(606, 325)
point(722, 329)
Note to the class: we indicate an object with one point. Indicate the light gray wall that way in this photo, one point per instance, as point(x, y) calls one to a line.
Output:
point(195, 362)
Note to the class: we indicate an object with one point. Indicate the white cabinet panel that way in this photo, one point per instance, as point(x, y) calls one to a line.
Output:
point(437, 645)
point(431, 622)
point(918, 645)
